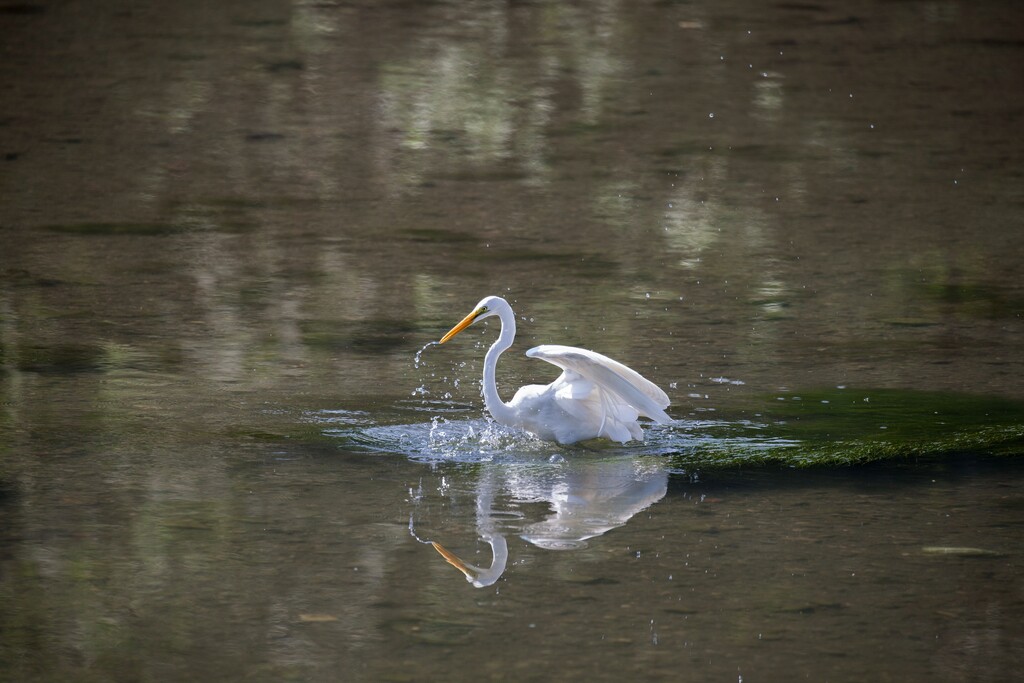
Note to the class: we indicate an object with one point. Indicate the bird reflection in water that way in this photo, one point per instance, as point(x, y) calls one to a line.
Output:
point(585, 498)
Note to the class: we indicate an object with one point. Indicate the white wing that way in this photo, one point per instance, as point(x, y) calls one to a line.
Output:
point(626, 384)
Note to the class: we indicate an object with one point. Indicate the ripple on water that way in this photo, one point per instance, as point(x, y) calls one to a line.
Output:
point(445, 440)
point(448, 437)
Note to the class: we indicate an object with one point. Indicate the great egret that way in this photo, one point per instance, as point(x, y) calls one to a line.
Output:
point(594, 396)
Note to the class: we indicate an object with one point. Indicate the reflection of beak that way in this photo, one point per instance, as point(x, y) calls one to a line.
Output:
point(470, 571)
point(463, 324)
point(479, 576)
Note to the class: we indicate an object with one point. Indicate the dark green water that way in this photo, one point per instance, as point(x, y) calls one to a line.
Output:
point(229, 230)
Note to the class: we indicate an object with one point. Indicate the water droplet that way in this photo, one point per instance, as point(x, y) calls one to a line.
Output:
point(417, 358)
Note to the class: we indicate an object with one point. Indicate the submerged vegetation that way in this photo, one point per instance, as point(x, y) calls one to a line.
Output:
point(847, 427)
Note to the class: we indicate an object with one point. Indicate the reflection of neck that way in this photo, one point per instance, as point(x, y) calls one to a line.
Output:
point(479, 576)
point(485, 524)
point(499, 410)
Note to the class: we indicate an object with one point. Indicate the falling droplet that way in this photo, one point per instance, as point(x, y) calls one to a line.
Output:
point(417, 358)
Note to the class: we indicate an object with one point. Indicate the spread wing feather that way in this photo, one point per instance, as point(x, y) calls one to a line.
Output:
point(627, 384)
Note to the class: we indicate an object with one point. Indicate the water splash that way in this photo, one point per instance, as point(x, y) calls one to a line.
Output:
point(446, 440)
point(418, 358)
point(451, 438)
point(418, 362)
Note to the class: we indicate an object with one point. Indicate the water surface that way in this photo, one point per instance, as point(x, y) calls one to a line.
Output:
point(226, 231)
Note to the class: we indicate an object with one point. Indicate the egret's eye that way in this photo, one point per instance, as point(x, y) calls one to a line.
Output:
point(483, 309)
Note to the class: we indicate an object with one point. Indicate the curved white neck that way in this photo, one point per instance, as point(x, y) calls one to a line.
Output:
point(499, 410)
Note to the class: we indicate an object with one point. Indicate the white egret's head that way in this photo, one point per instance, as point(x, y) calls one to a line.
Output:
point(488, 306)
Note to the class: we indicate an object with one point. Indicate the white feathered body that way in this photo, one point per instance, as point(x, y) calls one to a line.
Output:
point(594, 397)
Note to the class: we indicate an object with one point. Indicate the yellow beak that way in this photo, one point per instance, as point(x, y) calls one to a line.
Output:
point(463, 324)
